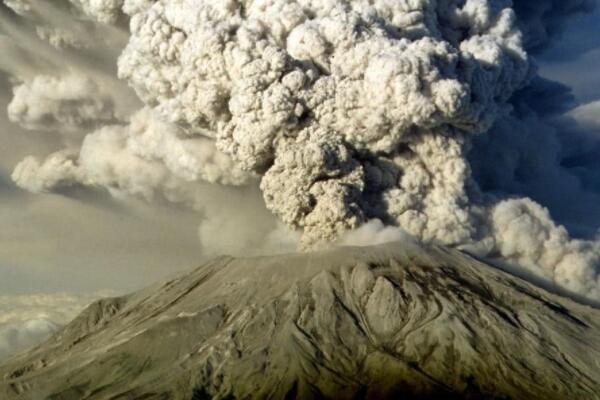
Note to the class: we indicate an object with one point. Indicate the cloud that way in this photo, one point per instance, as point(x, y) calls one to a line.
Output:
point(69, 103)
point(59, 307)
point(544, 21)
point(15, 337)
point(57, 171)
point(427, 117)
point(526, 235)
point(26, 320)
point(375, 232)
point(300, 109)
point(577, 74)
point(104, 11)
point(588, 116)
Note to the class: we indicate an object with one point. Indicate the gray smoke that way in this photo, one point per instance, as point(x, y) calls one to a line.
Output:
point(401, 117)
point(68, 103)
point(330, 98)
point(542, 21)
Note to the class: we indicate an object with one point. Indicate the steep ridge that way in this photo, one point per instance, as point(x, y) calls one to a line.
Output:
point(352, 323)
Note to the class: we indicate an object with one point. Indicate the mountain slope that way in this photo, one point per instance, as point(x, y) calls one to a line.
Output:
point(352, 323)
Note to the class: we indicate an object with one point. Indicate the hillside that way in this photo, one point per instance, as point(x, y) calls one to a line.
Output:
point(351, 323)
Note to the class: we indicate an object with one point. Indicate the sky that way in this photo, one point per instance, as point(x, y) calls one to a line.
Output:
point(61, 250)
point(574, 60)
point(83, 240)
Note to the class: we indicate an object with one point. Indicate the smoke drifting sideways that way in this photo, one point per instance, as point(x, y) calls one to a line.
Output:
point(358, 120)
point(69, 91)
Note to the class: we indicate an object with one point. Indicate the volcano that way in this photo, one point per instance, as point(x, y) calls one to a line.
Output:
point(396, 321)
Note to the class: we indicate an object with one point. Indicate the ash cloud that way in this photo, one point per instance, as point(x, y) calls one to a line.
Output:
point(68, 103)
point(354, 118)
point(327, 98)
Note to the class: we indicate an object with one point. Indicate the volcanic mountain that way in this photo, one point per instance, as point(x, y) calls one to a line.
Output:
point(398, 321)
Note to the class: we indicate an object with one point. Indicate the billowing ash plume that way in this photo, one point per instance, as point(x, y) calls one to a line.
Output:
point(348, 112)
point(346, 109)
point(105, 11)
point(137, 158)
point(70, 23)
point(68, 103)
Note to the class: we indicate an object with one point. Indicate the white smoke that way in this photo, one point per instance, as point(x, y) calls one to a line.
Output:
point(375, 232)
point(46, 30)
point(69, 103)
point(58, 170)
point(526, 235)
point(70, 23)
point(105, 11)
point(348, 112)
point(588, 116)
point(138, 157)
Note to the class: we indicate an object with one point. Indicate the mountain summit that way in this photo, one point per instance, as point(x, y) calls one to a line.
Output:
point(395, 321)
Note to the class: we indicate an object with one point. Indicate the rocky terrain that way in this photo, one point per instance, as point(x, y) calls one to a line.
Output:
point(392, 321)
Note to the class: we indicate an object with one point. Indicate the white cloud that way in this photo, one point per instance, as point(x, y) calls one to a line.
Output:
point(26, 320)
point(375, 232)
point(18, 336)
point(346, 112)
point(588, 116)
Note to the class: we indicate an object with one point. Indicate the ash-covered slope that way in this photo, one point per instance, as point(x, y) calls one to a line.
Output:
point(353, 323)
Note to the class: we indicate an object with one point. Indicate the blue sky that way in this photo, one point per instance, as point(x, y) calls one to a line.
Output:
point(575, 59)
